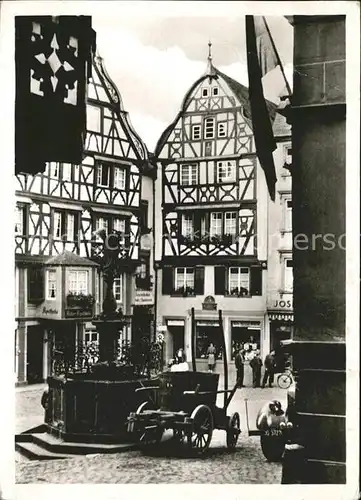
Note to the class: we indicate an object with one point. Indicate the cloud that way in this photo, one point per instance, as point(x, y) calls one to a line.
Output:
point(148, 128)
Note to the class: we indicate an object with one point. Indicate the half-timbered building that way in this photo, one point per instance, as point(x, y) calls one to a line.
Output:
point(212, 237)
point(58, 250)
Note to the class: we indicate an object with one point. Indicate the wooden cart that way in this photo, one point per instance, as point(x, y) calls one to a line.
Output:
point(186, 402)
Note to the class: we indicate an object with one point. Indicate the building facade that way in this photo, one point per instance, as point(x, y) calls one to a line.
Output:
point(279, 302)
point(213, 236)
point(58, 249)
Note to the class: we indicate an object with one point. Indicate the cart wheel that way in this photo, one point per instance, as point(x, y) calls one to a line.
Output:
point(151, 437)
point(233, 430)
point(284, 381)
point(200, 437)
point(273, 447)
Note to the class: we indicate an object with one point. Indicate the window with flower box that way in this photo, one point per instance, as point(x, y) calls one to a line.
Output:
point(78, 282)
point(240, 281)
point(183, 280)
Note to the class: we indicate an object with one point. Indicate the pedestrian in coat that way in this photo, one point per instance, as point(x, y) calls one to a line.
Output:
point(256, 365)
point(270, 368)
point(239, 364)
point(211, 352)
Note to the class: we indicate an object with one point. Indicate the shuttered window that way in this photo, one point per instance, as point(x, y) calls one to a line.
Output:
point(228, 279)
point(35, 284)
point(256, 280)
point(219, 280)
point(182, 278)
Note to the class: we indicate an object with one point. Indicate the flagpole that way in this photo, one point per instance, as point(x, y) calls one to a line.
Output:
point(277, 56)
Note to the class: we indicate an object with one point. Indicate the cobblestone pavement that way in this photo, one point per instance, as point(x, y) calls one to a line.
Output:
point(245, 465)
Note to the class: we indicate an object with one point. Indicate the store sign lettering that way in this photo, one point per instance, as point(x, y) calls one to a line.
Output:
point(283, 304)
point(78, 313)
point(49, 311)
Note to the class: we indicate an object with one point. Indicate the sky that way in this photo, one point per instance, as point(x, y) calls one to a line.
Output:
point(154, 59)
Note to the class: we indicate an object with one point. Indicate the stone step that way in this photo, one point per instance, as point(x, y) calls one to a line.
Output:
point(35, 452)
point(57, 445)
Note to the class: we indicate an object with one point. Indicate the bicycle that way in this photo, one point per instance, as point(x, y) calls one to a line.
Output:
point(285, 379)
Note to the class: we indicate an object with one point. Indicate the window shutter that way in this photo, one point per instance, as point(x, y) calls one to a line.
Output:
point(36, 292)
point(167, 280)
point(199, 280)
point(256, 280)
point(219, 280)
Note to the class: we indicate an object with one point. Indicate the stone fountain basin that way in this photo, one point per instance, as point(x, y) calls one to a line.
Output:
point(82, 409)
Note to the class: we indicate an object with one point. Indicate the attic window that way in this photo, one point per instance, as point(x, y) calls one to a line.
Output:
point(205, 92)
point(215, 90)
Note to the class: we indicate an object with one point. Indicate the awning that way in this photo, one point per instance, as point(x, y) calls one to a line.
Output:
point(280, 316)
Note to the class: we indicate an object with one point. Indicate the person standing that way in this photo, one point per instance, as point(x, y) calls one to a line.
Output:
point(239, 364)
point(256, 365)
point(270, 367)
point(211, 352)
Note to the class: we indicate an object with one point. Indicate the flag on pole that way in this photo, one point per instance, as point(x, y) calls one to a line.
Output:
point(260, 60)
point(53, 58)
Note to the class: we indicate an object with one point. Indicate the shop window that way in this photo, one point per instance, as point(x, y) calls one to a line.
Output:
point(245, 335)
point(208, 332)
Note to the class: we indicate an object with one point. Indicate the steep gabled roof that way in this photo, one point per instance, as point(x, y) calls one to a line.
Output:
point(243, 95)
point(237, 88)
point(69, 259)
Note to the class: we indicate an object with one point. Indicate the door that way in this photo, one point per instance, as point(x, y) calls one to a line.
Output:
point(177, 338)
point(35, 335)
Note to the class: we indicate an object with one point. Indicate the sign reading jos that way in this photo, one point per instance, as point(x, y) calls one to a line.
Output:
point(143, 298)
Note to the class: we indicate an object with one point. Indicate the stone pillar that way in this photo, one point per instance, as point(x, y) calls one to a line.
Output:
point(317, 115)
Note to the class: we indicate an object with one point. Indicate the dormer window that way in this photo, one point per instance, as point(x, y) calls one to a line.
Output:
point(215, 91)
point(205, 92)
point(209, 128)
